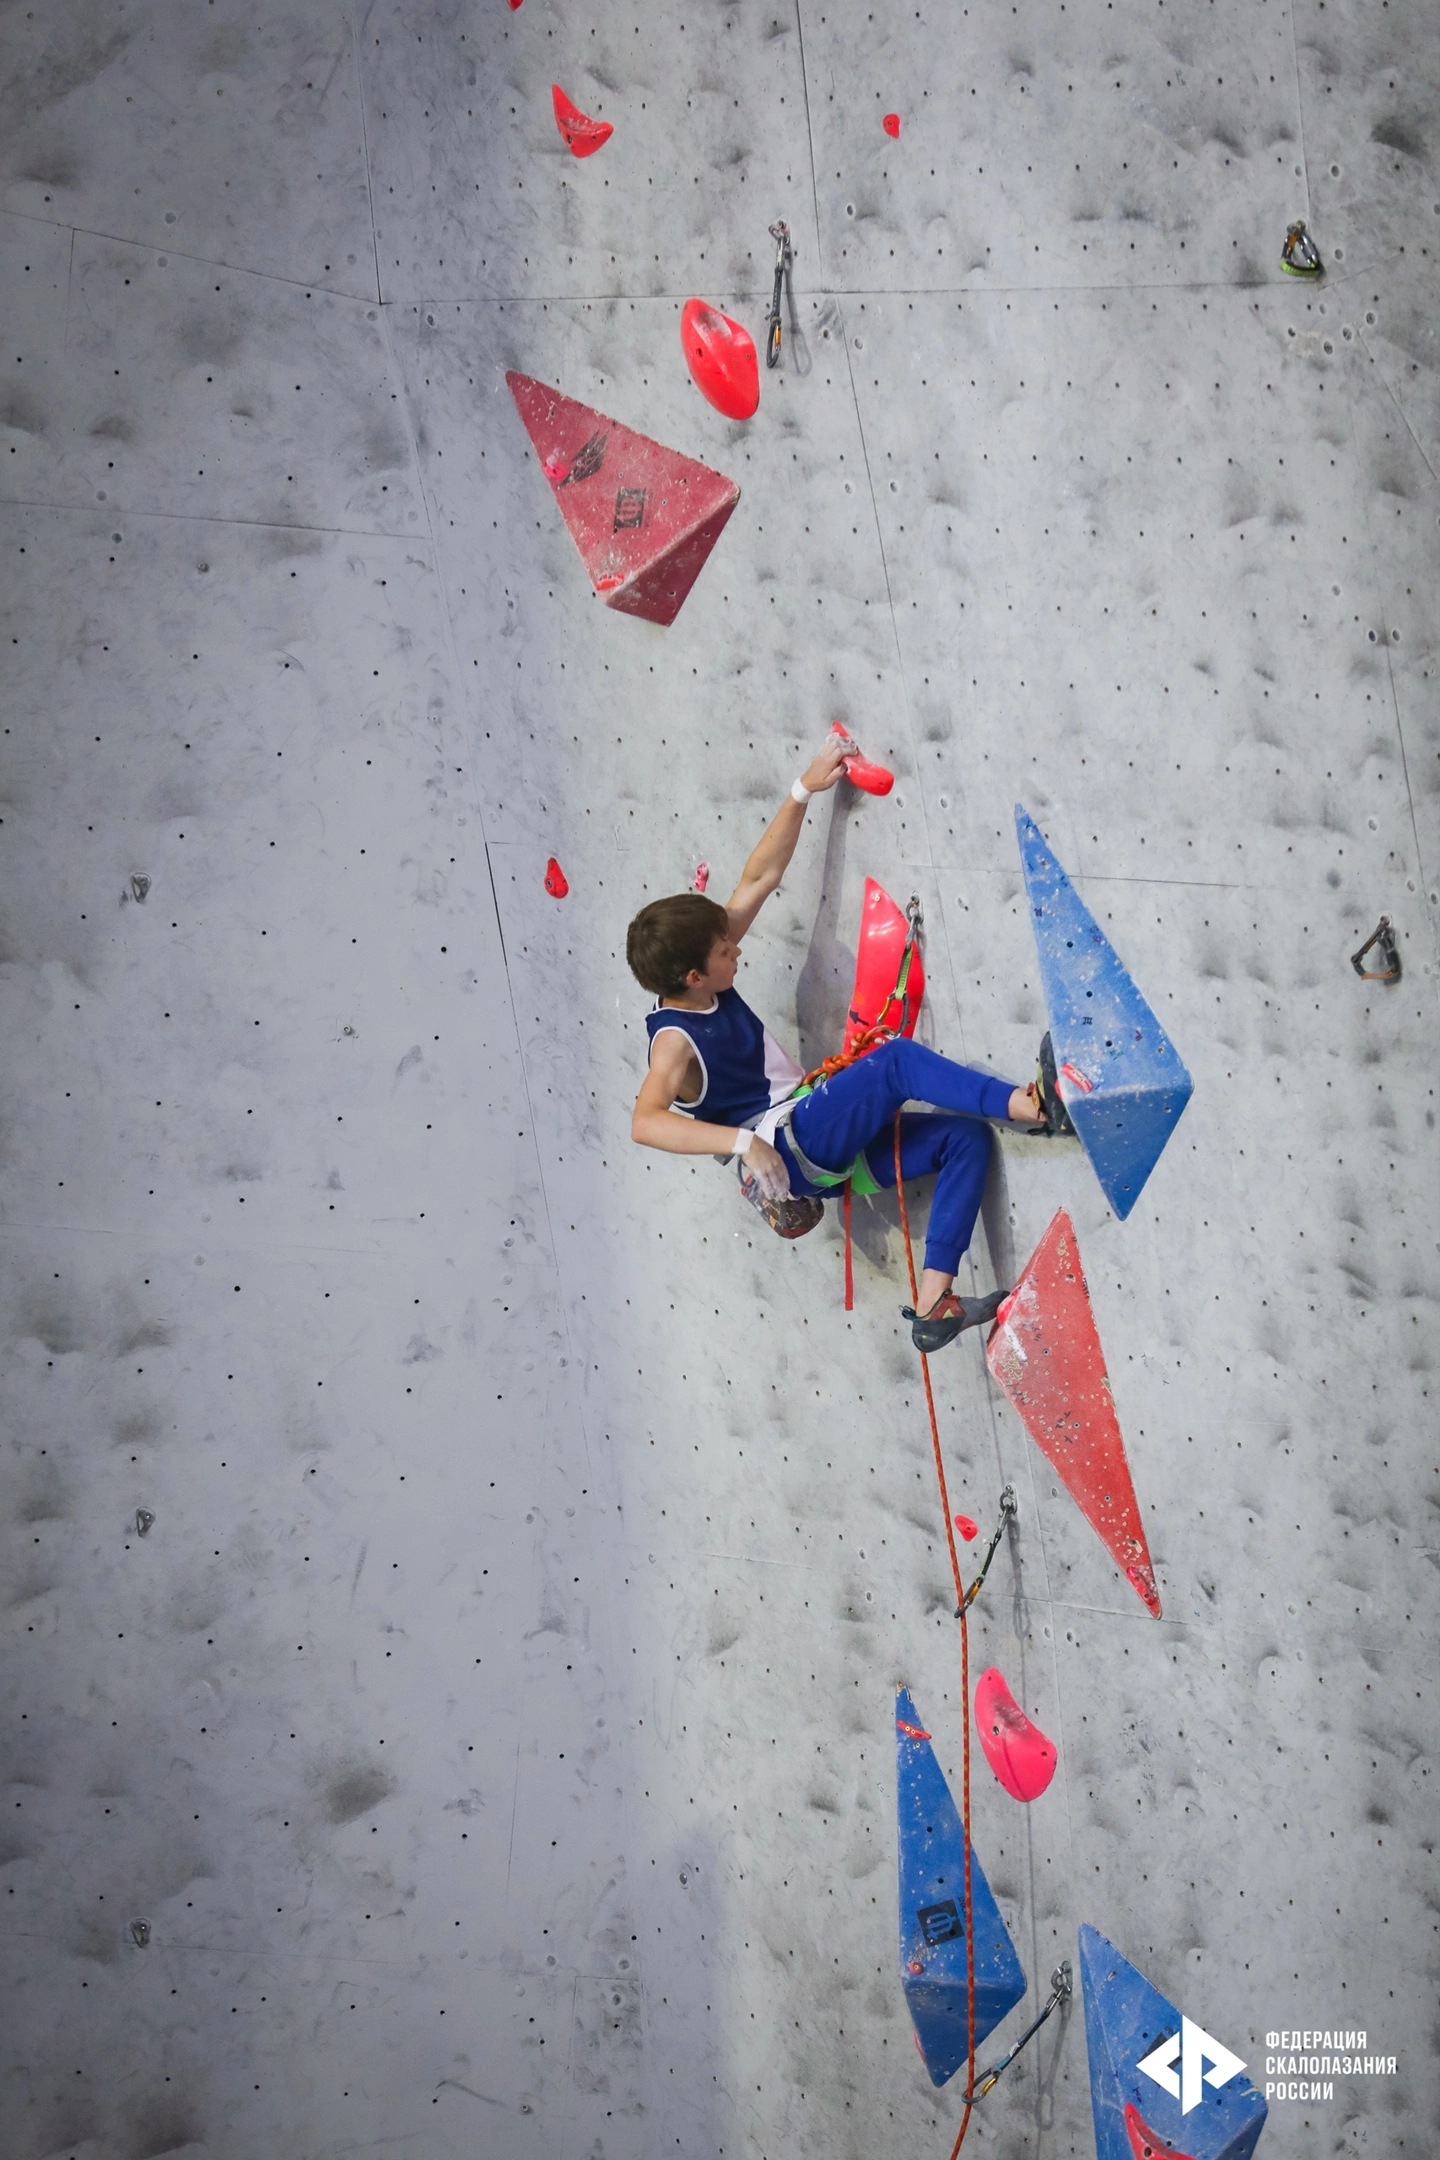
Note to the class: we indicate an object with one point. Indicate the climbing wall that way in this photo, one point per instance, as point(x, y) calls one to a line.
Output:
point(458, 1567)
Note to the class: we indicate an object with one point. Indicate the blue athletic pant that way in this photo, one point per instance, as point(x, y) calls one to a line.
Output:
point(854, 1111)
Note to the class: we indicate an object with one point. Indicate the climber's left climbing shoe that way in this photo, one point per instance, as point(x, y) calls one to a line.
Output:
point(949, 1317)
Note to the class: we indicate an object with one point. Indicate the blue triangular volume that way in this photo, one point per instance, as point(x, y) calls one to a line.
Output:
point(1126, 1086)
point(932, 1912)
point(1125, 2020)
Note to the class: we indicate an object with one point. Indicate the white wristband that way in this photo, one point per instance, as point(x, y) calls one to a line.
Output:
point(743, 1138)
point(800, 792)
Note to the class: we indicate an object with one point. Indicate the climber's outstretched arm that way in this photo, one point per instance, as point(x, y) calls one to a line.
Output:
point(771, 854)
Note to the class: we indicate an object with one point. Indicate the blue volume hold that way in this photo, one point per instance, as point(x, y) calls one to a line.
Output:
point(1120, 1076)
point(932, 1912)
point(1128, 2020)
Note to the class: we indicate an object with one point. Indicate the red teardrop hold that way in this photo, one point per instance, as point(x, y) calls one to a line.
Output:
point(556, 882)
point(583, 136)
point(720, 354)
point(966, 1528)
point(1017, 1751)
point(891, 122)
point(1143, 2141)
point(515, 4)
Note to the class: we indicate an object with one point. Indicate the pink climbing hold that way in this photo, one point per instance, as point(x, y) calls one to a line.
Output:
point(702, 877)
point(1016, 1750)
point(966, 1528)
point(891, 123)
point(720, 355)
point(582, 135)
point(859, 771)
point(556, 882)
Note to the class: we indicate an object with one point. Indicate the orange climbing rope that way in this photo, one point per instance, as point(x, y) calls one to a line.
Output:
point(961, 1604)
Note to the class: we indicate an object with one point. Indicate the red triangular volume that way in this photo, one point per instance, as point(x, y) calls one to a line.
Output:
point(1044, 1351)
point(582, 135)
point(643, 517)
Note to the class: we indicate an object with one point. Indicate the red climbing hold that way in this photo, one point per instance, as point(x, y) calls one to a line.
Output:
point(515, 4)
point(720, 354)
point(889, 969)
point(643, 517)
point(891, 123)
point(1144, 2143)
point(583, 136)
point(873, 779)
point(701, 878)
point(1017, 1751)
point(1044, 1351)
point(966, 1528)
point(556, 882)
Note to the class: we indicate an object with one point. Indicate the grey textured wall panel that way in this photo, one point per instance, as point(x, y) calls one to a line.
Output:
point(493, 1724)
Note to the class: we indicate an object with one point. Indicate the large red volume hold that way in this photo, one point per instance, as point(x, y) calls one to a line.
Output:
point(1016, 1750)
point(583, 136)
point(879, 965)
point(1044, 1351)
point(643, 517)
point(720, 354)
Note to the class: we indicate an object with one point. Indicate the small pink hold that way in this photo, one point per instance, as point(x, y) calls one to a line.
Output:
point(702, 877)
point(966, 1528)
point(891, 122)
point(556, 882)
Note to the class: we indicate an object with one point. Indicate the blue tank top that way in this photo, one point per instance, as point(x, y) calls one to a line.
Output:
point(743, 1070)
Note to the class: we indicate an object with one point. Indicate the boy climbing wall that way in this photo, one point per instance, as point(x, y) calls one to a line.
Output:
point(719, 1084)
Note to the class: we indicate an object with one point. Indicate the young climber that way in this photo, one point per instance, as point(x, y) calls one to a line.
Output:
point(734, 1087)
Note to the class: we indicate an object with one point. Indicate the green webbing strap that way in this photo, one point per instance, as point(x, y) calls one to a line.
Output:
point(857, 1177)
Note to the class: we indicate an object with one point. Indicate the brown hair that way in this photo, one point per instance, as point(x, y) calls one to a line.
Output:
point(669, 937)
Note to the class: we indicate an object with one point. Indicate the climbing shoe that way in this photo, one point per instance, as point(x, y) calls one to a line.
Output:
point(950, 1317)
point(1055, 1117)
point(788, 1218)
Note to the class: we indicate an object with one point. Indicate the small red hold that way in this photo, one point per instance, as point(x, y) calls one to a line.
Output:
point(966, 1528)
point(720, 354)
point(515, 4)
point(912, 1732)
point(582, 135)
point(701, 878)
point(1077, 1079)
point(1143, 2142)
point(556, 882)
point(872, 779)
point(891, 122)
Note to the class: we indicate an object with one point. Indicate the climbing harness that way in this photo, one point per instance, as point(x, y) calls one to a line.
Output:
point(1062, 1981)
point(784, 256)
point(1382, 935)
point(1300, 256)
